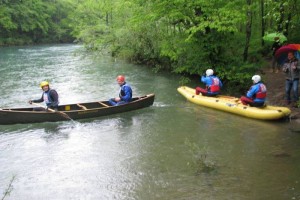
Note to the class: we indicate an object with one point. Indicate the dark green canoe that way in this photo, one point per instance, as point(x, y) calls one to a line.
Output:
point(72, 111)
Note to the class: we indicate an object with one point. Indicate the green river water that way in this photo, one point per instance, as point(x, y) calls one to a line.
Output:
point(172, 150)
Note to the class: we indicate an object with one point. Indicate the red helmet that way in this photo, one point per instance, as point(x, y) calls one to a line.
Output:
point(121, 78)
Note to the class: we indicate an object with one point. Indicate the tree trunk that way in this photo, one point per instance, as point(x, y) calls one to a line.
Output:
point(287, 24)
point(106, 18)
point(263, 21)
point(281, 18)
point(248, 29)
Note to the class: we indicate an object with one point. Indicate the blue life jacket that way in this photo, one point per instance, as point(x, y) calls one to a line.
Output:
point(125, 92)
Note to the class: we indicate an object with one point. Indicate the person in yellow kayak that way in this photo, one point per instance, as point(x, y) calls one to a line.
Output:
point(213, 84)
point(49, 96)
point(257, 94)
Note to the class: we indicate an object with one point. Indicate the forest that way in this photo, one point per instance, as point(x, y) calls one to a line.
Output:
point(180, 36)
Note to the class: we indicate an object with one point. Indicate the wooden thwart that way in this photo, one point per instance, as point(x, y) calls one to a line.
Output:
point(81, 106)
point(103, 104)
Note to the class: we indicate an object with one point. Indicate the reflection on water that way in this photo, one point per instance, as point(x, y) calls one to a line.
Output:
point(154, 153)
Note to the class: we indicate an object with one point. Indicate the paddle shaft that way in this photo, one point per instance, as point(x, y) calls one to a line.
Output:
point(58, 112)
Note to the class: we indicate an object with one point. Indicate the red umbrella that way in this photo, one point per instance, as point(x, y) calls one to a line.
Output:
point(281, 53)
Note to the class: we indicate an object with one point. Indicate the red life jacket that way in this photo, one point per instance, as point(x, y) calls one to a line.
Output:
point(215, 86)
point(262, 92)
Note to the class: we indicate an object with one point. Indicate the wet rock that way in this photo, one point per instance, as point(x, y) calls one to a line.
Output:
point(280, 153)
point(293, 130)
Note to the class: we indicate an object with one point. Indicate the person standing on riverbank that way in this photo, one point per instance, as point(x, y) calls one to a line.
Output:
point(125, 95)
point(276, 45)
point(291, 69)
point(49, 96)
point(257, 94)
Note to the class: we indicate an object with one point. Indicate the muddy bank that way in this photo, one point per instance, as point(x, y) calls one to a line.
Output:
point(275, 83)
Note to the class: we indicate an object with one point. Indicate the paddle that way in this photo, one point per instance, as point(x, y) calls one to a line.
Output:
point(58, 112)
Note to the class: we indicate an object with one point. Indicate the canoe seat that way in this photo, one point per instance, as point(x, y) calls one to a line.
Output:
point(103, 104)
point(81, 106)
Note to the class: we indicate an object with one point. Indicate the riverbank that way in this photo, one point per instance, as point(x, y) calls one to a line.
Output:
point(275, 83)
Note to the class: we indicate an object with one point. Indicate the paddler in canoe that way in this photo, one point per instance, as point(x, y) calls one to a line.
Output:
point(125, 95)
point(213, 84)
point(49, 96)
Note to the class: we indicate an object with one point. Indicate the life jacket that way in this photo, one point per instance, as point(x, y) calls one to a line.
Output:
point(215, 86)
point(48, 99)
point(122, 91)
point(262, 92)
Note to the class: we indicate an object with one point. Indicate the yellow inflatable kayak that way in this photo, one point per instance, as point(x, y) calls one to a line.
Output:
point(233, 105)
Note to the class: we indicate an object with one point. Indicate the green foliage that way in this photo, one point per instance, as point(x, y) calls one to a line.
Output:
point(282, 15)
point(5, 19)
point(181, 36)
point(237, 78)
point(37, 20)
point(15, 41)
point(184, 80)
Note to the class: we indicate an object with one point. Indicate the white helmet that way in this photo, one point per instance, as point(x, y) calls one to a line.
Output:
point(209, 72)
point(256, 78)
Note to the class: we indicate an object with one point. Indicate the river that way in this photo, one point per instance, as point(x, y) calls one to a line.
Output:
point(171, 150)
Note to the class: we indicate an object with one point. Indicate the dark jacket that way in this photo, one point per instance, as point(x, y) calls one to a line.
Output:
point(52, 98)
point(276, 45)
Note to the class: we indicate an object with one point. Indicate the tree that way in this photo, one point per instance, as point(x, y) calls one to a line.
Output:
point(32, 20)
point(248, 29)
